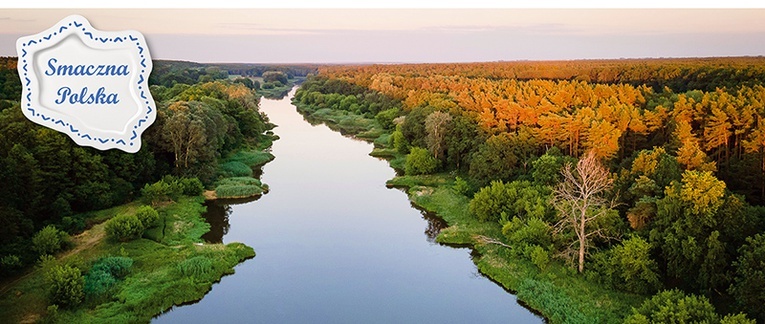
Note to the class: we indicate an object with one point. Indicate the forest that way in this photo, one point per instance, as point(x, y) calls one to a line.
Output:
point(646, 177)
point(82, 228)
point(203, 117)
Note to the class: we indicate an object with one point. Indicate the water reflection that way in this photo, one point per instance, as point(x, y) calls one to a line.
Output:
point(435, 224)
point(217, 215)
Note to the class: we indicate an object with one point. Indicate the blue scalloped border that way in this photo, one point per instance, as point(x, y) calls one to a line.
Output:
point(74, 131)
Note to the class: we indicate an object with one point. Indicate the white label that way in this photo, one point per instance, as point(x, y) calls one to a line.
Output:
point(89, 84)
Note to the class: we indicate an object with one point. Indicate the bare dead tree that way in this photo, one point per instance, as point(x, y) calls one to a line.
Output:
point(580, 200)
point(437, 125)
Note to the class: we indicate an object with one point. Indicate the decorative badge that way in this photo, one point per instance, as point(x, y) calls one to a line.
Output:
point(89, 84)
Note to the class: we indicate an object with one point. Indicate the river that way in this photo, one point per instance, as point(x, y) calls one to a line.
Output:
point(334, 245)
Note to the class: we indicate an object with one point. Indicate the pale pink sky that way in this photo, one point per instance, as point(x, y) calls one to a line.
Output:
point(416, 35)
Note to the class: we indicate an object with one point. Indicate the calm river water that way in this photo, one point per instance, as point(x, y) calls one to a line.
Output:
point(334, 245)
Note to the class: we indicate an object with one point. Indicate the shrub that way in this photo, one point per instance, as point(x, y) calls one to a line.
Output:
point(155, 193)
point(540, 257)
point(98, 283)
point(124, 228)
point(517, 198)
point(529, 232)
point(46, 262)
point(147, 216)
point(65, 285)
point(461, 186)
point(10, 263)
point(489, 203)
point(118, 267)
point(73, 224)
point(104, 274)
point(386, 117)
point(739, 318)
point(399, 142)
point(48, 240)
point(192, 186)
point(420, 161)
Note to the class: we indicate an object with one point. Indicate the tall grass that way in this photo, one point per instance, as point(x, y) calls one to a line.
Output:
point(239, 187)
point(235, 169)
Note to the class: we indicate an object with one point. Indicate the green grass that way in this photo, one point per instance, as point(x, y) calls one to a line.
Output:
point(159, 278)
point(383, 153)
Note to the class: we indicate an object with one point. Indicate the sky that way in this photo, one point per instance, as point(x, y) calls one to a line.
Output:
point(415, 35)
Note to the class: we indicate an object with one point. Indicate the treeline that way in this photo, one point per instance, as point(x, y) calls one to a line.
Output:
point(169, 73)
point(257, 70)
point(680, 205)
point(49, 180)
point(680, 75)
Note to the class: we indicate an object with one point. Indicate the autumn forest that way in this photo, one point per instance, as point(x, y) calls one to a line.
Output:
point(646, 176)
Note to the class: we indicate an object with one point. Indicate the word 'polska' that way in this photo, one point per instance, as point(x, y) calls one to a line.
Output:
point(86, 70)
point(85, 98)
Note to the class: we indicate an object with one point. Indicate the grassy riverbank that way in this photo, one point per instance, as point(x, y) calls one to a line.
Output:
point(155, 282)
point(555, 291)
point(236, 175)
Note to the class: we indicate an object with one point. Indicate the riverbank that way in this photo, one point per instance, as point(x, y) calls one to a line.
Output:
point(171, 263)
point(239, 173)
point(554, 290)
point(155, 282)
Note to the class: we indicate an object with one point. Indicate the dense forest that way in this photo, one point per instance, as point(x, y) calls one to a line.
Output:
point(204, 114)
point(645, 176)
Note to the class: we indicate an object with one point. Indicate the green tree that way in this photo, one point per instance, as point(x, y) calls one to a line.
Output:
point(687, 227)
point(749, 284)
point(462, 140)
point(273, 76)
point(413, 127)
point(65, 285)
point(494, 160)
point(633, 265)
point(546, 169)
point(48, 240)
point(419, 161)
point(673, 306)
point(437, 125)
